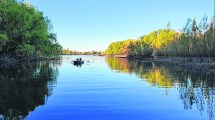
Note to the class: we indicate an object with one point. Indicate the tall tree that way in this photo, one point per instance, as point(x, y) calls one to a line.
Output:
point(25, 32)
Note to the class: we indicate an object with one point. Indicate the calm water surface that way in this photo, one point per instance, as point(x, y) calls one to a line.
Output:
point(105, 89)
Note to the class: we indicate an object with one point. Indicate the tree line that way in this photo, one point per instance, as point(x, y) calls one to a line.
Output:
point(25, 33)
point(73, 52)
point(193, 40)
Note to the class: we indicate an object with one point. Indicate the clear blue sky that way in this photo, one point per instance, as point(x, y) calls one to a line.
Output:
point(86, 25)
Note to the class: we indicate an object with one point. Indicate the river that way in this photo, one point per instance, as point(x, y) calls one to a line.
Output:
point(105, 88)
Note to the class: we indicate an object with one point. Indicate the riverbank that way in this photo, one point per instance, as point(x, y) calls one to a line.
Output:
point(8, 60)
point(191, 62)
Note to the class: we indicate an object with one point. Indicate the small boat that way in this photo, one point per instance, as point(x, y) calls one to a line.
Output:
point(78, 62)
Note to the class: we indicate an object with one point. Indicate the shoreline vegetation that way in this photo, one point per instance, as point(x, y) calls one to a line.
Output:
point(25, 34)
point(193, 46)
point(73, 52)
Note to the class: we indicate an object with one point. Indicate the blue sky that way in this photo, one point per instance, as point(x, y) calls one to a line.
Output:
point(87, 25)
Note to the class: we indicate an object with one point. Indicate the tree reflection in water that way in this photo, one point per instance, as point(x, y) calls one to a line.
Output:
point(195, 86)
point(25, 87)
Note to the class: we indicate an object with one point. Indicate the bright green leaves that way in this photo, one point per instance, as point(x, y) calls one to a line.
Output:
point(3, 40)
point(160, 38)
point(24, 31)
point(119, 48)
point(144, 46)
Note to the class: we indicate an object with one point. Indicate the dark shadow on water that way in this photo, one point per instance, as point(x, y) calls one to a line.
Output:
point(196, 87)
point(25, 87)
point(77, 65)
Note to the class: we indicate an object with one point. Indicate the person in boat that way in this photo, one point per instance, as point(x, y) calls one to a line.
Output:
point(77, 59)
point(80, 59)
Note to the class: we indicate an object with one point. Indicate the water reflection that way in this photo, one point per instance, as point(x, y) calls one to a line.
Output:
point(196, 86)
point(77, 65)
point(25, 87)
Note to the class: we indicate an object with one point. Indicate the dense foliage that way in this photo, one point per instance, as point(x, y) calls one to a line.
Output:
point(119, 47)
point(151, 44)
point(194, 40)
point(25, 32)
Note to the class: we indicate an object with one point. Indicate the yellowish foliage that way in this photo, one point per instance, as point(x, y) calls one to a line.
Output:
point(157, 78)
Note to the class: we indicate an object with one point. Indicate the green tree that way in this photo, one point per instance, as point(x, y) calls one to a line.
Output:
point(25, 32)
